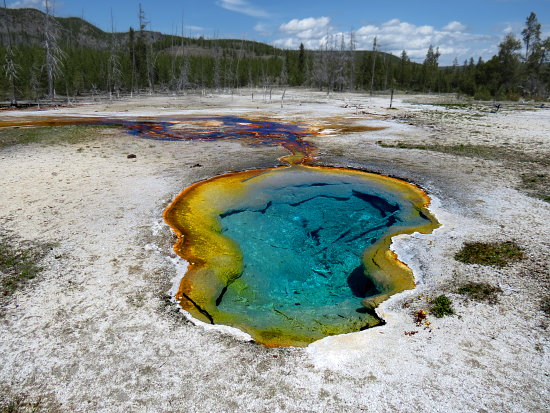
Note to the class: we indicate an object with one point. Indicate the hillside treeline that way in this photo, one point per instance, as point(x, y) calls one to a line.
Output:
point(68, 57)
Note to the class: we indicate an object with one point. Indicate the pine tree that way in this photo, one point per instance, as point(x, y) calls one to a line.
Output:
point(404, 69)
point(508, 62)
point(430, 66)
point(531, 34)
point(301, 64)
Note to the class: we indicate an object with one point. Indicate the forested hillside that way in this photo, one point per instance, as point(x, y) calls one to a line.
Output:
point(45, 57)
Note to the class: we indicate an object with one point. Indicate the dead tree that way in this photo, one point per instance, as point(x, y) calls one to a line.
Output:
point(54, 54)
point(283, 78)
point(172, 85)
point(373, 65)
point(217, 70)
point(151, 60)
point(340, 67)
point(326, 65)
point(35, 83)
point(132, 47)
point(114, 72)
point(10, 67)
point(351, 60)
point(150, 55)
point(236, 78)
point(183, 80)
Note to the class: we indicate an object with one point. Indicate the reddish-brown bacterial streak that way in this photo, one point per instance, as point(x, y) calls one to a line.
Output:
point(256, 133)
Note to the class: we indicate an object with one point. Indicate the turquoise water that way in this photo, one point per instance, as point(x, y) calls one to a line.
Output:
point(302, 235)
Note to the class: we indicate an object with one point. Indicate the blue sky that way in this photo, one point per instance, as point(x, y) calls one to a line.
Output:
point(461, 29)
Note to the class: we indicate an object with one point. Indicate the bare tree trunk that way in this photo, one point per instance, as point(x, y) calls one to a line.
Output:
point(173, 82)
point(236, 78)
point(373, 66)
point(283, 78)
point(35, 84)
point(10, 67)
point(183, 77)
point(352, 61)
point(386, 72)
point(151, 58)
point(114, 71)
point(53, 53)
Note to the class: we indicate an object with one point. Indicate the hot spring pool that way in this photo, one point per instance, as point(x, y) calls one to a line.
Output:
point(291, 255)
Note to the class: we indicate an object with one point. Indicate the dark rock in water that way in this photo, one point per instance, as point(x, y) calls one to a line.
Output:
point(359, 284)
point(131, 156)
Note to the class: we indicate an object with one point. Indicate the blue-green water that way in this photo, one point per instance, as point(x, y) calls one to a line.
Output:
point(302, 236)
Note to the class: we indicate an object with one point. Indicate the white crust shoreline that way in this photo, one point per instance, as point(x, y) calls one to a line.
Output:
point(94, 331)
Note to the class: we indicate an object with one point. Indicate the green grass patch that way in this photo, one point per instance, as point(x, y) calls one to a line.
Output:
point(494, 153)
point(50, 135)
point(537, 185)
point(20, 404)
point(480, 292)
point(19, 264)
point(498, 254)
point(441, 306)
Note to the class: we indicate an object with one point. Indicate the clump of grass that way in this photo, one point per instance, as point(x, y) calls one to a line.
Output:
point(441, 306)
point(20, 404)
point(18, 265)
point(534, 184)
point(498, 254)
point(537, 185)
point(495, 153)
point(480, 292)
point(71, 134)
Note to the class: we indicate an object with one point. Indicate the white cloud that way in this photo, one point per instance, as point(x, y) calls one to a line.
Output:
point(392, 36)
point(455, 26)
point(310, 31)
point(242, 6)
point(311, 23)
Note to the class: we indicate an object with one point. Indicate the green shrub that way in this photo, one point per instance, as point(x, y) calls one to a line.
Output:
point(482, 93)
point(441, 306)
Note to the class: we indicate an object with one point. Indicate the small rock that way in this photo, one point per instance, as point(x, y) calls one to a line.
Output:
point(131, 156)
